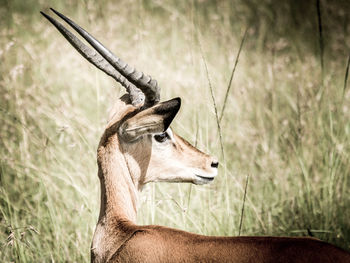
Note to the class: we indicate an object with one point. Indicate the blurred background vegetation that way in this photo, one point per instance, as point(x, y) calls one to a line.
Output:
point(285, 124)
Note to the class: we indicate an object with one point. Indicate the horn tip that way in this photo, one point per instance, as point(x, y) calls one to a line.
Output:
point(53, 10)
point(58, 13)
point(45, 15)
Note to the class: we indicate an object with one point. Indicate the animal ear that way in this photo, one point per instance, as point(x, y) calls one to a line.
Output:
point(151, 120)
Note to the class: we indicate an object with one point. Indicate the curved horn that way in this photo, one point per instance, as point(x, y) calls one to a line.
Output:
point(136, 96)
point(144, 82)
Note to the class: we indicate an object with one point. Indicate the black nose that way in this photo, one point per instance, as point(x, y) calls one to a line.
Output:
point(214, 164)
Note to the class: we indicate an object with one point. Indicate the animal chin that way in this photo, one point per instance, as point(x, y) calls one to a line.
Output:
point(205, 179)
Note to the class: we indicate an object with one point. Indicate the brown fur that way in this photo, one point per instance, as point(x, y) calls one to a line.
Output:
point(125, 167)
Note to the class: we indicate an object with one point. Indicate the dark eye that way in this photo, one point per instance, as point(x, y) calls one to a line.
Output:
point(161, 137)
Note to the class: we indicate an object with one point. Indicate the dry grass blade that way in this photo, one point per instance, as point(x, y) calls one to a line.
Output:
point(242, 211)
point(214, 103)
point(232, 74)
point(346, 76)
point(320, 36)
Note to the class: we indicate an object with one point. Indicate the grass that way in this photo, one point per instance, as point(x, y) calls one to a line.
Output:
point(293, 144)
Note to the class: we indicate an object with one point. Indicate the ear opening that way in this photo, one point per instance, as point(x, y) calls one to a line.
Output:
point(151, 120)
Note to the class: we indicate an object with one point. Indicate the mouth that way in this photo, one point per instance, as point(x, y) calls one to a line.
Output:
point(208, 179)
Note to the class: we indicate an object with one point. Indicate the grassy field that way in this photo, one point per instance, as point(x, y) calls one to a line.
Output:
point(285, 124)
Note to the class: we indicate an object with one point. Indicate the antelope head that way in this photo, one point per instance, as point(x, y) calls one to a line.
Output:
point(139, 123)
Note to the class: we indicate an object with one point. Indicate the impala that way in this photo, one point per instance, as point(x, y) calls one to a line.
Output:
point(138, 147)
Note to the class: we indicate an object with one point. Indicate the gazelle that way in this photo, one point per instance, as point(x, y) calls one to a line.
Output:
point(136, 148)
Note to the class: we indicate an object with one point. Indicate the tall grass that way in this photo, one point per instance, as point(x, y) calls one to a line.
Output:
point(293, 144)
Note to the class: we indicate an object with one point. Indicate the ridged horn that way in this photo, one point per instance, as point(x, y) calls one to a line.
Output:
point(136, 96)
point(144, 82)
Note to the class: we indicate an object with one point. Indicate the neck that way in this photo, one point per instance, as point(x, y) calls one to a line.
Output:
point(118, 192)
